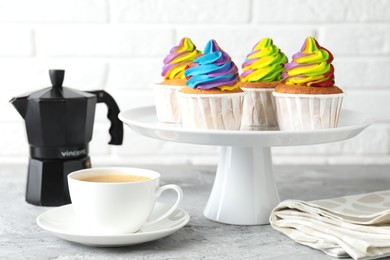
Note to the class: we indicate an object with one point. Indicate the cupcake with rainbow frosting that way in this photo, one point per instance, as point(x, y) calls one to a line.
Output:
point(175, 62)
point(212, 98)
point(262, 72)
point(308, 98)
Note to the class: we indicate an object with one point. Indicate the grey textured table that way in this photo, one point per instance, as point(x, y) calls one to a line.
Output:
point(21, 238)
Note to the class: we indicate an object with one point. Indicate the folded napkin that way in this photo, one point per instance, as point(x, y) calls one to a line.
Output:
point(357, 226)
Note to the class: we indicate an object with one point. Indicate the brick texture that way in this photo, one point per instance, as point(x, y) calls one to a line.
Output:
point(16, 41)
point(26, 74)
point(317, 11)
point(373, 103)
point(101, 41)
point(134, 74)
point(182, 11)
point(371, 71)
point(356, 40)
point(13, 140)
point(119, 46)
point(58, 11)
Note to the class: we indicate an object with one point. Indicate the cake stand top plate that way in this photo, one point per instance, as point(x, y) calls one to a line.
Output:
point(143, 120)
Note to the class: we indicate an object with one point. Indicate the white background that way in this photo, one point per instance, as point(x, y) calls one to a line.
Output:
point(119, 46)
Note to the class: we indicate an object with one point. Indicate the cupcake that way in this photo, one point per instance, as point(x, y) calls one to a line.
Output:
point(180, 56)
point(262, 72)
point(212, 98)
point(308, 99)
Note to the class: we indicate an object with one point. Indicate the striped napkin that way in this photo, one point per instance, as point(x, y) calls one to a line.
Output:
point(353, 226)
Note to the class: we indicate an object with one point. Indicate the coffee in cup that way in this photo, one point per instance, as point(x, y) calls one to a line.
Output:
point(111, 201)
point(115, 178)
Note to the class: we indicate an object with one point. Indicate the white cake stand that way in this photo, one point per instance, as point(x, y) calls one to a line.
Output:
point(244, 191)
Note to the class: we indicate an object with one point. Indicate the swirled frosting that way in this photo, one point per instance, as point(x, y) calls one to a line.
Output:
point(311, 66)
point(178, 58)
point(265, 63)
point(213, 69)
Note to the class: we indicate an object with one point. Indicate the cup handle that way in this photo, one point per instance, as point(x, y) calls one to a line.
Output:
point(160, 190)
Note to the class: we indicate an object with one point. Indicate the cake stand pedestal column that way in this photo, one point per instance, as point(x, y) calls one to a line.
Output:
point(244, 191)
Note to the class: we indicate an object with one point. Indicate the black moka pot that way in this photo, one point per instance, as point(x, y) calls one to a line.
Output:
point(59, 124)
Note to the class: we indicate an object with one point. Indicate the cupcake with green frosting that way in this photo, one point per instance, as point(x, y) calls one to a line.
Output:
point(179, 57)
point(262, 72)
point(308, 98)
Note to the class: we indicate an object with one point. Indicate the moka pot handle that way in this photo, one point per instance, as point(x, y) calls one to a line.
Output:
point(116, 128)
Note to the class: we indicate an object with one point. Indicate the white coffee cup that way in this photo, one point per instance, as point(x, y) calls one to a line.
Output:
point(117, 207)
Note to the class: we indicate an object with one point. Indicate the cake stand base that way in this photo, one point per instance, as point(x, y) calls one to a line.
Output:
point(244, 191)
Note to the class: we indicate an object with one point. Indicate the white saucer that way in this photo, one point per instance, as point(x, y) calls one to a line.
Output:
point(62, 223)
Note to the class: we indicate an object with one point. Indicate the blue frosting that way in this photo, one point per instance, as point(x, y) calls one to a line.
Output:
point(212, 69)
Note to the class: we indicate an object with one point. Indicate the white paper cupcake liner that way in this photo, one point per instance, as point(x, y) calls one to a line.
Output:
point(167, 106)
point(211, 111)
point(307, 112)
point(259, 109)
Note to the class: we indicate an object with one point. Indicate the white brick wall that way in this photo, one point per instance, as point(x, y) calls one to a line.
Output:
point(16, 41)
point(181, 11)
point(118, 45)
